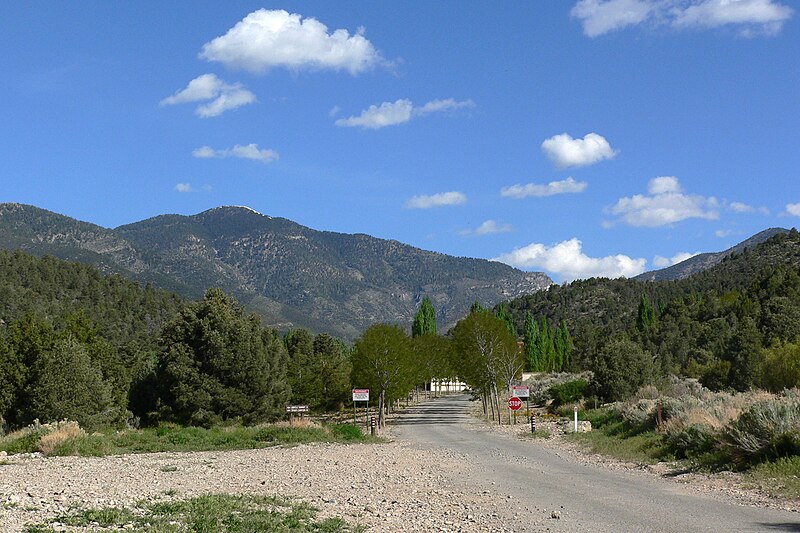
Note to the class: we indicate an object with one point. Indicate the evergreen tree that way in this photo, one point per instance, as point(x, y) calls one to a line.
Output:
point(12, 379)
point(620, 368)
point(65, 384)
point(331, 370)
point(646, 315)
point(300, 347)
point(477, 307)
point(743, 353)
point(218, 363)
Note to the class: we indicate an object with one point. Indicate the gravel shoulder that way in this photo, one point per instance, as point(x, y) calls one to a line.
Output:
point(442, 470)
point(388, 487)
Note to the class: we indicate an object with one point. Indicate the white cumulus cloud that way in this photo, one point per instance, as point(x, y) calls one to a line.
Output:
point(567, 260)
point(751, 17)
point(564, 151)
point(223, 96)
point(266, 39)
point(437, 200)
point(599, 17)
point(376, 117)
point(400, 112)
point(739, 207)
point(665, 203)
point(793, 209)
point(488, 227)
point(188, 187)
point(663, 262)
point(249, 151)
point(566, 186)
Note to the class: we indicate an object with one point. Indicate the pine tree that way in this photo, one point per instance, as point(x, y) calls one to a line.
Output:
point(646, 317)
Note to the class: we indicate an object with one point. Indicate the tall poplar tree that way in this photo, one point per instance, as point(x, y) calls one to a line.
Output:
point(425, 319)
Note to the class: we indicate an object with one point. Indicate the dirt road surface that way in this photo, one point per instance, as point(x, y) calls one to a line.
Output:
point(538, 483)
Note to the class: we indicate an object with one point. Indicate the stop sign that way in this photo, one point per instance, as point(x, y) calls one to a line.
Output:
point(515, 404)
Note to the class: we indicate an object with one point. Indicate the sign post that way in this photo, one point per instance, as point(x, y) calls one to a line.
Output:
point(522, 392)
point(294, 409)
point(360, 395)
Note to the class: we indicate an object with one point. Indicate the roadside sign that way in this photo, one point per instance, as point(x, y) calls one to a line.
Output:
point(296, 408)
point(520, 391)
point(515, 404)
point(360, 395)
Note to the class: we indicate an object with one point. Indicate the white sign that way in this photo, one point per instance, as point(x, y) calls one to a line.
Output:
point(520, 391)
point(296, 408)
point(360, 395)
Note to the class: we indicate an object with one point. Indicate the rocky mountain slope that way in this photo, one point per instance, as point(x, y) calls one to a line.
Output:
point(292, 275)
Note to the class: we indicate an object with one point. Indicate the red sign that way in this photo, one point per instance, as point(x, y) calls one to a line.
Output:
point(515, 404)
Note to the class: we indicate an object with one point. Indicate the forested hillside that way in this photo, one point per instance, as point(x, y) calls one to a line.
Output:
point(720, 325)
point(293, 276)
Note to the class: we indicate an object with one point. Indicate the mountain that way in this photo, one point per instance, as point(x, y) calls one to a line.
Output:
point(701, 262)
point(292, 275)
point(761, 283)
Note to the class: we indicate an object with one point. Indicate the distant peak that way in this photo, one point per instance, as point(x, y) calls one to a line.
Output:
point(246, 208)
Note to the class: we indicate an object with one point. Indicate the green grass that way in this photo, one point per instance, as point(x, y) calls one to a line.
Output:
point(614, 437)
point(542, 433)
point(210, 513)
point(172, 438)
point(779, 478)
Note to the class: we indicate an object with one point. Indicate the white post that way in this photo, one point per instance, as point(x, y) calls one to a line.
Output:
point(576, 419)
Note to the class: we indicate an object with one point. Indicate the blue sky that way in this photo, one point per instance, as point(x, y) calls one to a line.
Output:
point(579, 138)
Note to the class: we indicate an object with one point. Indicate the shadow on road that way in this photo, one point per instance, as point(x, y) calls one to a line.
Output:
point(435, 413)
point(780, 526)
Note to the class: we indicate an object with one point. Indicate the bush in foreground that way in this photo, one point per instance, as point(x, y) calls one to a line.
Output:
point(66, 438)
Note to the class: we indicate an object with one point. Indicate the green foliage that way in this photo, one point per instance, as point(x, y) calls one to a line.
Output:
point(424, 320)
point(646, 315)
point(433, 358)
point(330, 372)
point(615, 437)
point(66, 384)
point(505, 315)
point(620, 369)
point(209, 512)
point(483, 345)
point(768, 429)
point(300, 348)
point(219, 364)
point(383, 361)
point(172, 438)
point(710, 325)
point(780, 478)
point(569, 392)
point(780, 367)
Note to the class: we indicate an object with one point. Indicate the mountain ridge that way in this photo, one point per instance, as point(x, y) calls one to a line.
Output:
point(294, 276)
point(706, 260)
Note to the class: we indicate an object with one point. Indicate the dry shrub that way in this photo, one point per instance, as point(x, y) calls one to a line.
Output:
point(767, 429)
point(298, 423)
point(638, 412)
point(60, 433)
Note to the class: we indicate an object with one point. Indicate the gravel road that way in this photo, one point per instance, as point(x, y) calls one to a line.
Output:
point(443, 471)
point(536, 481)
